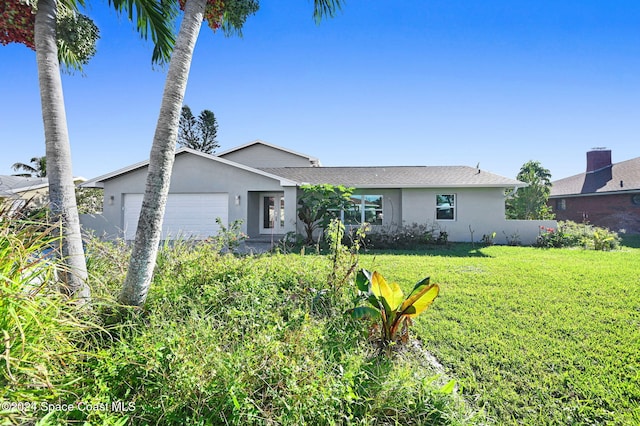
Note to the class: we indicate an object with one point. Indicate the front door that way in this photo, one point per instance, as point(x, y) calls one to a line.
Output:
point(272, 213)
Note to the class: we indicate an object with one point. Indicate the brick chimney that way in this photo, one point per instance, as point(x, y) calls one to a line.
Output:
point(598, 158)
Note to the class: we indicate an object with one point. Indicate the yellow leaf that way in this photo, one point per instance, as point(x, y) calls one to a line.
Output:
point(424, 298)
point(391, 293)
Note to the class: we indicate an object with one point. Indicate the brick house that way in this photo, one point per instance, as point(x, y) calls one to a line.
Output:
point(606, 195)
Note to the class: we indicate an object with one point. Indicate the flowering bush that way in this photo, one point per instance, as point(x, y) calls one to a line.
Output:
point(549, 237)
point(572, 234)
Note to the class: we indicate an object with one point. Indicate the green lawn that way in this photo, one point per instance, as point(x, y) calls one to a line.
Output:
point(534, 336)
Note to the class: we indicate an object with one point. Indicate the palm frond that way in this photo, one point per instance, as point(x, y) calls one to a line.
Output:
point(235, 15)
point(326, 9)
point(155, 19)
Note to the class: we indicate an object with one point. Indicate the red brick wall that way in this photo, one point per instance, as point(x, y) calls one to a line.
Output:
point(615, 211)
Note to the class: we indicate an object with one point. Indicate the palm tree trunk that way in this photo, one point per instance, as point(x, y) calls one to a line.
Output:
point(145, 248)
point(58, 152)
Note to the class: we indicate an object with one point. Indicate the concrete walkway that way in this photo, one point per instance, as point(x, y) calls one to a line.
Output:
point(260, 244)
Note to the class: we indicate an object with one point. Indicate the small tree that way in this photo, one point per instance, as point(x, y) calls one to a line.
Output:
point(89, 200)
point(318, 204)
point(198, 133)
point(530, 203)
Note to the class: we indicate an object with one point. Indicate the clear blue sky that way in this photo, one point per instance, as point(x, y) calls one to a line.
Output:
point(404, 82)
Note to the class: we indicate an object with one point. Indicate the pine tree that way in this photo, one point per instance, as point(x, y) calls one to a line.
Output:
point(198, 133)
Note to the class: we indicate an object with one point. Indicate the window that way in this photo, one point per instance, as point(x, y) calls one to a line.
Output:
point(561, 204)
point(363, 208)
point(446, 207)
point(635, 199)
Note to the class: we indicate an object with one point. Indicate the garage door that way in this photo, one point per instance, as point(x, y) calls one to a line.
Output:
point(185, 216)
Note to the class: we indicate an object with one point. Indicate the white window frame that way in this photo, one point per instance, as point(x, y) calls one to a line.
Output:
point(452, 206)
point(362, 209)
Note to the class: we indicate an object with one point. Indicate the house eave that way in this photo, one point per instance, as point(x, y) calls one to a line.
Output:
point(98, 182)
point(596, 194)
point(258, 141)
point(423, 186)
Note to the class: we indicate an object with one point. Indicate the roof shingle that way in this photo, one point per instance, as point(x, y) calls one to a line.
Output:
point(394, 176)
point(623, 176)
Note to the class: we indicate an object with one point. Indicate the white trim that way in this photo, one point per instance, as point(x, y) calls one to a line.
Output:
point(453, 207)
point(98, 182)
point(278, 228)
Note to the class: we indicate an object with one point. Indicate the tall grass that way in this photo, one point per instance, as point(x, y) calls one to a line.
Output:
point(38, 325)
point(248, 340)
point(222, 340)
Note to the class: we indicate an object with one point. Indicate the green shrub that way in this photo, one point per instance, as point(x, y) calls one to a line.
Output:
point(222, 339)
point(603, 239)
point(402, 237)
point(228, 237)
point(237, 340)
point(572, 234)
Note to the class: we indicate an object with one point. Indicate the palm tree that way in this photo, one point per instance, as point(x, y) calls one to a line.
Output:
point(145, 248)
point(153, 17)
point(38, 169)
point(62, 199)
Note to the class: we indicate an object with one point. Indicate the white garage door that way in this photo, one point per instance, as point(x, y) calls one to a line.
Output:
point(186, 215)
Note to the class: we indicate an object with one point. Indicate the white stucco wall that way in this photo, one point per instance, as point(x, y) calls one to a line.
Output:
point(195, 174)
point(481, 210)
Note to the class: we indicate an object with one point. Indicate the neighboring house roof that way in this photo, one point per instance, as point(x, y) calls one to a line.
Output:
point(395, 176)
point(312, 160)
point(14, 185)
point(616, 178)
point(98, 182)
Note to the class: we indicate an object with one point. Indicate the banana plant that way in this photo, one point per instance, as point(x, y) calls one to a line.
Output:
point(388, 306)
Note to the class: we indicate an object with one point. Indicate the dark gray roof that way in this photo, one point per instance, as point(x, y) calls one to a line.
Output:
point(623, 176)
point(395, 176)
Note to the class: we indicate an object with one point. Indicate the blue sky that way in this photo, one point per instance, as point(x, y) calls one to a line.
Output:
point(405, 82)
